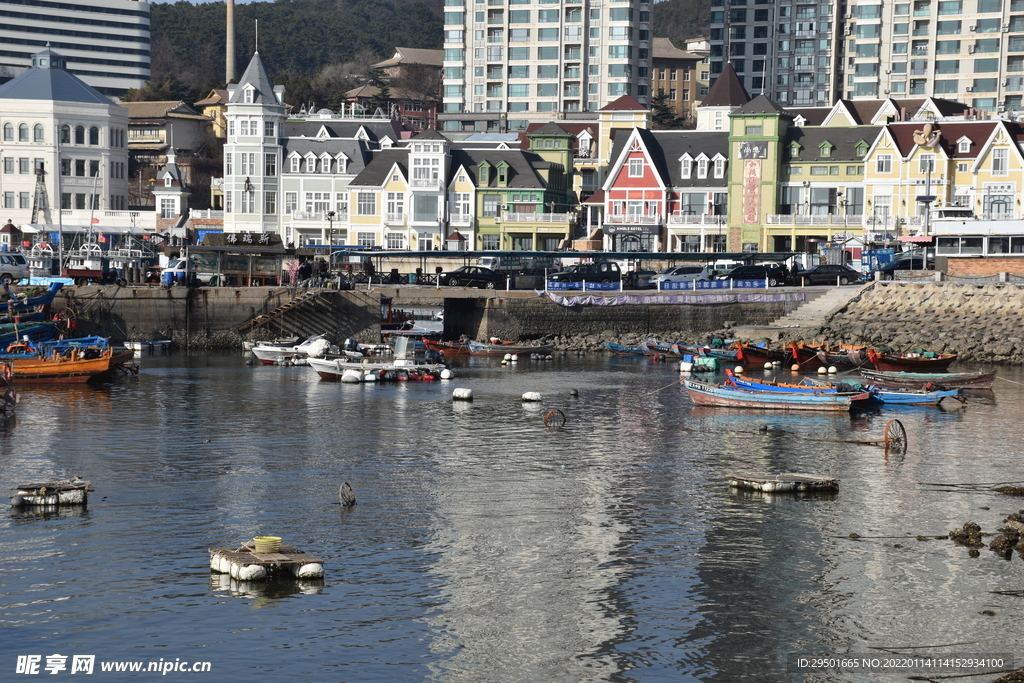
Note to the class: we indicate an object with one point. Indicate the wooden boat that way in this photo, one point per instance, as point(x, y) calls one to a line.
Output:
point(71, 361)
point(814, 356)
point(704, 394)
point(911, 362)
point(620, 350)
point(500, 348)
point(756, 357)
point(653, 347)
point(919, 380)
point(450, 350)
point(888, 396)
point(722, 354)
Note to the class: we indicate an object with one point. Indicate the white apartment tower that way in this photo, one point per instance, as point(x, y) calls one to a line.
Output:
point(810, 53)
point(508, 62)
point(104, 42)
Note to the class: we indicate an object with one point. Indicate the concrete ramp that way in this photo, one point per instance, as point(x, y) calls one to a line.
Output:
point(805, 320)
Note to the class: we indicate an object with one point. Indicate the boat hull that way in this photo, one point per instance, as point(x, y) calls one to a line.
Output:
point(953, 380)
point(890, 363)
point(478, 349)
point(449, 350)
point(755, 357)
point(710, 395)
point(59, 371)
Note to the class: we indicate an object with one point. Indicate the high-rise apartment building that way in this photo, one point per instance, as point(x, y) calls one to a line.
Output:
point(103, 42)
point(506, 64)
point(811, 53)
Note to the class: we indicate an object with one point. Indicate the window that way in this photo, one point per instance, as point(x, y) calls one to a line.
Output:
point(366, 204)
point(702, 168)
point(23, 200)
point(37, 132)
point(79, 135)
point(719, 167)
point(310, 164)
point(291, 201)
point(492, 203)
point(964, 145)
point(366, 239)
point(516, 16)
point(23, 133)
point(1000, 162)
point(519, 71)
point(636, 168)
point(94, 136)
point(547, 34)
point(94, 169)
point(547, 90)
point(517, 54)
point(547, 53)
point(883, 164)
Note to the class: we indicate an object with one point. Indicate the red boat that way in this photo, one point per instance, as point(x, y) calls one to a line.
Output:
point(449, 350)
point(814, 356)
point(755, 357)
point(911, 362)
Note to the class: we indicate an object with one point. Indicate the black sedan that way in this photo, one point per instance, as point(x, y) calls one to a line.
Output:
point(473, 276)
point(828, 275)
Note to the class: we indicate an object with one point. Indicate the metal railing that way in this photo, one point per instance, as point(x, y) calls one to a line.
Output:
point(633, 218)
point(815, 219)
point(696, 219)
point(535, 217)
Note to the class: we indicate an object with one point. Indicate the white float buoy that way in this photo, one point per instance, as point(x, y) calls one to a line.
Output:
point(462, 395)
point(313, 570)
point(352, 376)
point(739, 369)
point(508, 356)
point(685, 366)
point(822, 371)
point(447, 374)
point(832, 369)
point(532, 396)
point(768, 365)
point(514, 357)
point(795, 367)
point(251, 572)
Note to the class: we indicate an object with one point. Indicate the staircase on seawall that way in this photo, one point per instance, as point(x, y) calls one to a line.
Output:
point(806, 319)
point(335, 314)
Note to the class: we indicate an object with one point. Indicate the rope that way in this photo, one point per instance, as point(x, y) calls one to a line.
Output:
point(1010, 381)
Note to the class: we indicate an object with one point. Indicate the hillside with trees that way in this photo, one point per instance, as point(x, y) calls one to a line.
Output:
point(316, 48)
point(681, 19)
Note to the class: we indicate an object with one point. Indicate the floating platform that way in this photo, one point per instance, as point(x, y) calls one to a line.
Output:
point(74, 491)
point(776, 483)
point(245, 564)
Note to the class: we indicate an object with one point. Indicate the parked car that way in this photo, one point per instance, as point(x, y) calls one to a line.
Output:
point(772, 272)
point(13, 267)
point(473, 276)
point(682, 274)
point(599, 271)
point(888, 271)
point(828, 275)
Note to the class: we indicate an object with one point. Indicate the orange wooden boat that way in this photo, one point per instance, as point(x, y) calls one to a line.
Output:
point(69, 362)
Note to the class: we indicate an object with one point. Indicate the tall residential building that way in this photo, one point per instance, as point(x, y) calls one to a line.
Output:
point(104, 42)
point(804, 53)
point(541, 59)
point(789, 51)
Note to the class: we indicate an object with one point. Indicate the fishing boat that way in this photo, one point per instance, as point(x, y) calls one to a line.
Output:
point(917, 360)
point(920, 380)
point(757, 357)
point(352, 370)
point(68, 361)
point(496, 347)
point(450, 350)
point(23, 309)
point(810, 356)
point(917, 397)
point(704, 394)
point(620, 350)
point(314, 346)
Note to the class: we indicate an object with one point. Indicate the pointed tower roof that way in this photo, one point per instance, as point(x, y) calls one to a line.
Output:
point(728, 90)
point(255, 76)
point(760, 105)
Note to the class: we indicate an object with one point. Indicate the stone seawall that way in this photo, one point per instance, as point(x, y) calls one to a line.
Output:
point(585, 327)
point(205, 317)
point(980, 323)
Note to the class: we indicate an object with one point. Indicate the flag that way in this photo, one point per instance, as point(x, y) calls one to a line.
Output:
point(95, 220)
point(102, 238)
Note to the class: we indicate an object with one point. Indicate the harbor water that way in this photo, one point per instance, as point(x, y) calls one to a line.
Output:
point(485, 546)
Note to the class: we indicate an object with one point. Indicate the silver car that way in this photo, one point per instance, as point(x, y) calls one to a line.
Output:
point(682, 274)
point(13, 267)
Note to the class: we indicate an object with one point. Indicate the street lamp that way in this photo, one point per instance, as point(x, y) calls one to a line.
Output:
point(720, 219)
point(330, 220)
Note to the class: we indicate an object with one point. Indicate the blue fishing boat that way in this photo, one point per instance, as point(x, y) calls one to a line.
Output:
point(729, 396)
point(879, 394)
point(621, 350)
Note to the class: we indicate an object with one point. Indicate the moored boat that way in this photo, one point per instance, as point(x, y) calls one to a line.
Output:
point(353, 371)
point(448, 349)
point(620, 350)
point(916, 361)
point(756, 357)
point(814, 356)
point(315, 346)
point(70, 361)
point(500, 348)
point(704, 394)
point(946, 380)
point(906, 396)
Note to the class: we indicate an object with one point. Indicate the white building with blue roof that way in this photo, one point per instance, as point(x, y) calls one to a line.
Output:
point(65, 149)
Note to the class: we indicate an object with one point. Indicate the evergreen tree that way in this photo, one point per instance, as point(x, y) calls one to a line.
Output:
point(664, 116)
point(382, 100)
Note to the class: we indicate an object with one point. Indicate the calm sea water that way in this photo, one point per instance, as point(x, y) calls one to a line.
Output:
point(486, 547)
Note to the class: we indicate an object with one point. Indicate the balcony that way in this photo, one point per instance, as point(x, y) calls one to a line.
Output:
point(427, 183)
point(696, 219)
point(923, 52)
point(815, 219)
point(462, 219)
point(633, 218)
point(394, 219)
point(535, 217)
point(318, 216)
point(205, 213)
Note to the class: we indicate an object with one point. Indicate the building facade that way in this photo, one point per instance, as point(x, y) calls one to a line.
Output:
point(65, 149)
point(505, 66)
point(677, 74)
point(105, 42)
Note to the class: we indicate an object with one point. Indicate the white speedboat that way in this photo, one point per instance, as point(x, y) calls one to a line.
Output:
point(316, 346)
point(352, 370)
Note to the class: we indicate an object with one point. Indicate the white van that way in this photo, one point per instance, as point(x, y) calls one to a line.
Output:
point(176, 270)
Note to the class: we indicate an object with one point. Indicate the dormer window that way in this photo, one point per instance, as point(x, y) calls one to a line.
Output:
point(485, 174)
point(702, 168)
point(502, 174)
point(248, 94)
point(296, 161)
point(963, 145)
point(826, 149)
point(687, 167)
point(719, 167)
point(794, 151)
point(861, 149)
point(342, 163)
point(325, 164)
point(167, 181)
point(311, 164)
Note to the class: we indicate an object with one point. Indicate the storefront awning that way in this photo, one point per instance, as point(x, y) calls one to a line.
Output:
point(917, 240)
